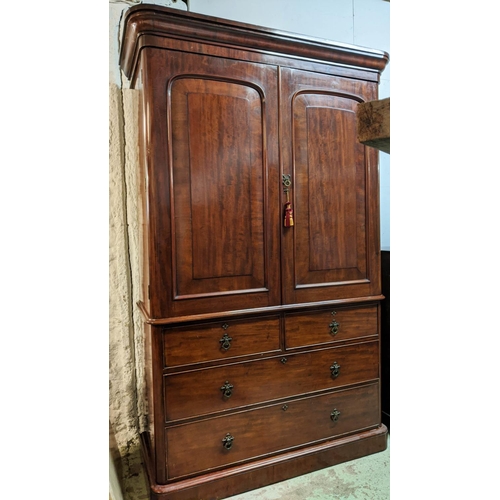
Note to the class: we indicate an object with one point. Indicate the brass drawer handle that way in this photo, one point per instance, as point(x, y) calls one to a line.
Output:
point(227, 442)
point(225, 341)
point(335, 369)
point(227, 389)
point(334, 325)
point(334, 415)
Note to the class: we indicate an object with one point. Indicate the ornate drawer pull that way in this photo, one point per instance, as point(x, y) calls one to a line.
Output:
point(283, 360)
point(334, 325)
point(227, 389)
point(335, 415)
point(227, 442)
point(225, 341)
point(335, 369)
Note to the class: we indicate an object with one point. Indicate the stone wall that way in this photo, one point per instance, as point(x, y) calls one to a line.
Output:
point(127, 398)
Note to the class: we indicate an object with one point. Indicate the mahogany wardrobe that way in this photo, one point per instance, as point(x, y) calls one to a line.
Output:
point(261, 282)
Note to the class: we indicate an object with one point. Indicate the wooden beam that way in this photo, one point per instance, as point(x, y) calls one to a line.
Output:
point(374, 124)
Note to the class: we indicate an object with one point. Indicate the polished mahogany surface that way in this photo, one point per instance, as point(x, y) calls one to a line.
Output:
point(225, 339)
point(261, 274)
point(198, 392)
point(152, 25)
point(256, 433)
point(330, 326)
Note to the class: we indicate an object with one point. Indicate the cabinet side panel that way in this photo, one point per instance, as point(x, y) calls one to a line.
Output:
point(148, 370)
point(143, 203)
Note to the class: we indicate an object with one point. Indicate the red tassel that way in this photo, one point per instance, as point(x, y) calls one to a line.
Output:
point(288, 214)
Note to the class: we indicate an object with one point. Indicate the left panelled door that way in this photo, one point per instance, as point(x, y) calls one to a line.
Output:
point(215, 218)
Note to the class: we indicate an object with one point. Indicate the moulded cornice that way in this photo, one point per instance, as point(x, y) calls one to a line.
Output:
point(159, 21)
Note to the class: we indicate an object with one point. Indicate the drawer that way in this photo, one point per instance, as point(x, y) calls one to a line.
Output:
point(327, 326)
point(220, 340)
point(199, 446)
point(222, 388)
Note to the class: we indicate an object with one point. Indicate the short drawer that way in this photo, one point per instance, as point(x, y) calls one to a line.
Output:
point(328, 326)
point(220, 340)
point(221, 441)
point(201, 392)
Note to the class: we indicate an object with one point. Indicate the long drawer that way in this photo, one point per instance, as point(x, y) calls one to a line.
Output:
point(205, 391)
point(186, 345)
point(220, 441)
point(329, 326)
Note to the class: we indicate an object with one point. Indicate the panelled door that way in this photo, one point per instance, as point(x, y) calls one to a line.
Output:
point(215, 226)
point(332, 250)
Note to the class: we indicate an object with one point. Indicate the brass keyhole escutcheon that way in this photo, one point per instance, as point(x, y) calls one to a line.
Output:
point(334, 325)
point(227, 442)
point(227, 389)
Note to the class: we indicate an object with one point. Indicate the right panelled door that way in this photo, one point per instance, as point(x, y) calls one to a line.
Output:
point(332, 251)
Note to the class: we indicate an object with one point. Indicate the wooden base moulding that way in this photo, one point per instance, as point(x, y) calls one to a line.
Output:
point(235, 480)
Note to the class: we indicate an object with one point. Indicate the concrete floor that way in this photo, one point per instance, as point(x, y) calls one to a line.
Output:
point(364, 479)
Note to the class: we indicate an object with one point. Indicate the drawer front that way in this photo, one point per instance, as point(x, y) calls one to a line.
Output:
point(327, 326)
point(222, 388)
point(220, 340)
point(221, 441)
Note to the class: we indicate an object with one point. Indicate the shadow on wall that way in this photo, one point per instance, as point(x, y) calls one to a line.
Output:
point(127, 398)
